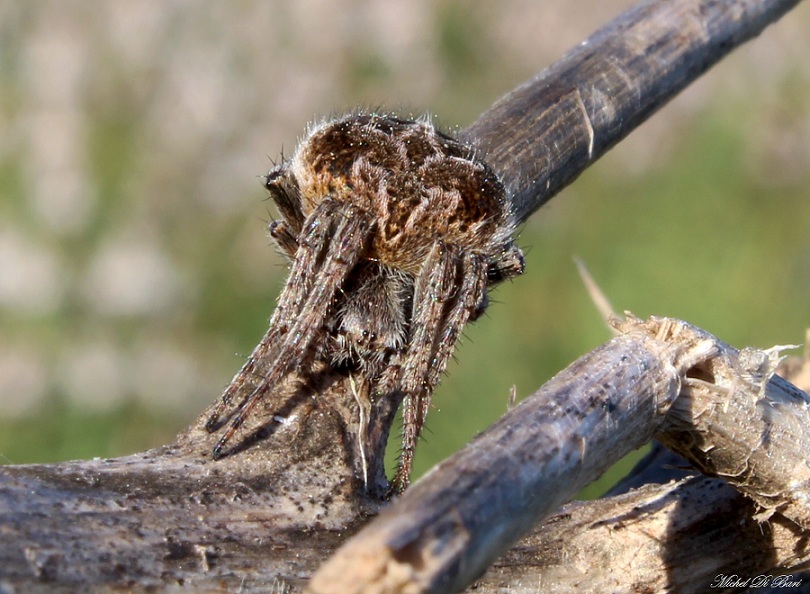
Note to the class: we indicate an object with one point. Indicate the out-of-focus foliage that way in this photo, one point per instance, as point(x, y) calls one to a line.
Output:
point(135, 273)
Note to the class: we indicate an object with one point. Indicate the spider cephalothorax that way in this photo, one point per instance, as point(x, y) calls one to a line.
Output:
point(395, 231)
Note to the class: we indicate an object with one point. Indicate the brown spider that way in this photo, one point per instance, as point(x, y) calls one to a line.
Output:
point(395, 232)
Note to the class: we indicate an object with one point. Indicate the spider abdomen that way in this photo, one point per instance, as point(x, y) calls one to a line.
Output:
point(420, 186)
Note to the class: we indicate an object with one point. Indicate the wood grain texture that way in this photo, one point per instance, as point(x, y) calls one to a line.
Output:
point(444, 532)
point(173, 517)
point(546, 132)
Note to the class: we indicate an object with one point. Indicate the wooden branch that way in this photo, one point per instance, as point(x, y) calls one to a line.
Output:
point(682, 535)
point(172, 516)
point(737, 420)
point(310, 474)
point(542, 135)
point(450, 526)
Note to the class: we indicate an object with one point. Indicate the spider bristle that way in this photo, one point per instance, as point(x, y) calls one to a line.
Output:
point(491, 301)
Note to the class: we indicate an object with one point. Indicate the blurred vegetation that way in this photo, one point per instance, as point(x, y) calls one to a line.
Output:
point(134, 269)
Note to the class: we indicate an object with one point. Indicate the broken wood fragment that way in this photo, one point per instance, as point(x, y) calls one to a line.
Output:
point(450, 526)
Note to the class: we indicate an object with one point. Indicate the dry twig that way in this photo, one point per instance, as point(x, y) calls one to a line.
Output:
point(662, 377)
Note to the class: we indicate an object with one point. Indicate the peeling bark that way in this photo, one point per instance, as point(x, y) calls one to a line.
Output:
point(449, 527)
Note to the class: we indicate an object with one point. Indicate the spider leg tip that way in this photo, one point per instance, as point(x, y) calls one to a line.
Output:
point(217, 453)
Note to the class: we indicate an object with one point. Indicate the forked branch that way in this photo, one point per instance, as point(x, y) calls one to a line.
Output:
point(662, 378)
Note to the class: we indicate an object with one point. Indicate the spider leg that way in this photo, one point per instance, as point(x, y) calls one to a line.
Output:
point(330, 245)
point(247, 371)
point(284, 192)
point(509, 263)
point(289, 301)
point(447, 277)
point(428, 304)
point(466, 303)
point(284, 236)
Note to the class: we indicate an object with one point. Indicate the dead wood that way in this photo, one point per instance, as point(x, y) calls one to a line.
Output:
point(682, 535)
point(309, 473)
point(546, 132)
point(261, 522)
point(653, 380)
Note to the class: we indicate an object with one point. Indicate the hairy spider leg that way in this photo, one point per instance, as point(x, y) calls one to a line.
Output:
point(509, 263)
point(284, 193)
point(285, 233)
point(317, 235)
point(216, 419)
point(467, 300)
point(432, 343)
point(331, 244)
point(284, 236)
point(428, 303)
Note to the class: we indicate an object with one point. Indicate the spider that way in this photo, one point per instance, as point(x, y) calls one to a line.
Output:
point(395, 232)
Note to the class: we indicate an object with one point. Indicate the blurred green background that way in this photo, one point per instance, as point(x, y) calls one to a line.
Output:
point(135, 272)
